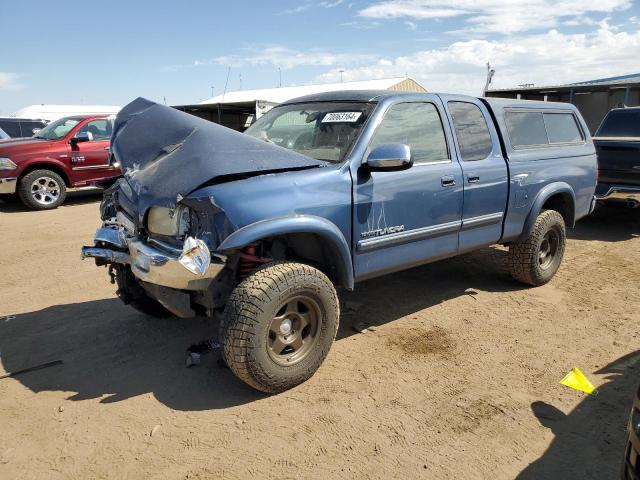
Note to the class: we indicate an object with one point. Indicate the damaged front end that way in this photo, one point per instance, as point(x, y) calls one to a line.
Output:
point(178, 271)
point(159, 244)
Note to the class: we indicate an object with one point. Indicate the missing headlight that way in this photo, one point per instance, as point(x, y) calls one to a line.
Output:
point(171, 222)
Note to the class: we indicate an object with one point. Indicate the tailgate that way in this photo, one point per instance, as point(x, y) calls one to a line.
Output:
point(618, 160)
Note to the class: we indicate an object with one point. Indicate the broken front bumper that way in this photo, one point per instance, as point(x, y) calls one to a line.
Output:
point(158, 264)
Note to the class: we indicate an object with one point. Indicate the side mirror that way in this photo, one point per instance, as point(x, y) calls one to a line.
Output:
point(390, 156)
point(81, 137)
point(36, 131)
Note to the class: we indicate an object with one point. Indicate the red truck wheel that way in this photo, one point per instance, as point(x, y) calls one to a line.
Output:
point(42, 190)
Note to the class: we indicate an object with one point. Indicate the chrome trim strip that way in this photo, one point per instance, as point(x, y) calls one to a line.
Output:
point(92, 167)
point(408, 236)
point(482, 220)
point(8, 185)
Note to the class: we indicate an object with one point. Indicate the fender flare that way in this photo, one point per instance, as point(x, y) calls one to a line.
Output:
point(274, 227)
point(44, 163)
point(543, 195)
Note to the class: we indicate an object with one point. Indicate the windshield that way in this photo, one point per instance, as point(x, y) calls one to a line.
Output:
point(58, 129)
point(321, 130)
point(620, 123)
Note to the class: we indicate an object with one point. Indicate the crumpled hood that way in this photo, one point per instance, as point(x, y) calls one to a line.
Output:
point(166, 154)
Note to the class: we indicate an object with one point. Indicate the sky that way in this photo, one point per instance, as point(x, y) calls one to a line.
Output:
point(182, 52)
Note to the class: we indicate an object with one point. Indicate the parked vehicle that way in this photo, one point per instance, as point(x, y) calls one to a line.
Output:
point(631, 461)
point(70, 152)
point(20, 127)
point(617, 144)
point(326, 191)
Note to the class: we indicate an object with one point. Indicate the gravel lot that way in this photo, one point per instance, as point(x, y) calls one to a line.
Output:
point(459, 378)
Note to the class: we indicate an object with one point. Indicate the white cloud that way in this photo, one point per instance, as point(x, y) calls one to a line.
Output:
point(9, 81)
point(495, 16)
point(283, 57)
point(542, 59)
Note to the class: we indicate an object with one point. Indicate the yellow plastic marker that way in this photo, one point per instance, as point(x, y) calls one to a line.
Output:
point(575, 379)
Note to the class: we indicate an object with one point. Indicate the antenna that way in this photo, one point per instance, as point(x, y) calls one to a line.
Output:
point(226, 83)
point(490, 73)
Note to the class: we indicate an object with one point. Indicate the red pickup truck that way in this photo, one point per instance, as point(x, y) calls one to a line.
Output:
point(70, 152)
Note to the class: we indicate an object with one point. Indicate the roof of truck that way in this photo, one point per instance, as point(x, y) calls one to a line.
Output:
point(378, 95)
point(501, 103)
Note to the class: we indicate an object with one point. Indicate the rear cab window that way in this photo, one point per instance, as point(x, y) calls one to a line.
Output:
point(620, 123)
point(541, 128)
point(472, 131)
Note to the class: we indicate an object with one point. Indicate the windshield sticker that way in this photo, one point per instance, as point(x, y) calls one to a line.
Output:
point(341, 117)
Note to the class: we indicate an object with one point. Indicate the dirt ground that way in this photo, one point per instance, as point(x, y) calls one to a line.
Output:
point(459, 378)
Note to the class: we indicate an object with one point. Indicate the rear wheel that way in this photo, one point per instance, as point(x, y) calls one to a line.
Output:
point(42, 190)
point(278, 326)
point(132, 294)
point(536, 259)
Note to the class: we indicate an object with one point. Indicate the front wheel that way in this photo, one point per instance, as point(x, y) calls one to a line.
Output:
point(42, 190)
point(536, 259)
point(278, 325)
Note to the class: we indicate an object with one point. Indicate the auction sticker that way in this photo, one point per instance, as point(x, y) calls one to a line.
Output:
point(341, 117)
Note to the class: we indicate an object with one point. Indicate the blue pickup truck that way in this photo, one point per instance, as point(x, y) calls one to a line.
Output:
point(326, 191)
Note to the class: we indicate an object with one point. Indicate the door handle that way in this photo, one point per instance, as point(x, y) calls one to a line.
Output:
point(448, 181)
point(108, 149)
point(473, 179)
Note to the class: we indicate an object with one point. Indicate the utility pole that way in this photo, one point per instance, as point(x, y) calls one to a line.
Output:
point(341, 72)
point(240, 77)
point(490, 73)
point(280, 75)
point(212, 91)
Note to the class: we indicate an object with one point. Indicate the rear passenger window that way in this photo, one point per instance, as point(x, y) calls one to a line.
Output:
point(472, 132)
point(526, 128)
point(417, 125)
point(562, 128)
point(11, 128)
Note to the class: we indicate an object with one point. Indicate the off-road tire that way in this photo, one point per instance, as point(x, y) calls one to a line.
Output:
point(132, 294)
point(250, 311)
point(525, 255)
point(26, 196)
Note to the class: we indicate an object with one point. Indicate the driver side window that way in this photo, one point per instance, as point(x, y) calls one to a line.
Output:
point(417, 125)
point(100, 129)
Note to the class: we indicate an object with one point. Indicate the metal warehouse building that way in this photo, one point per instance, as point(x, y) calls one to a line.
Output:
point(593, 98)
point(238, 109)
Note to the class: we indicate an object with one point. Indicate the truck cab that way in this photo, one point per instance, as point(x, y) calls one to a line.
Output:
point(71, 152)
point(327, 191)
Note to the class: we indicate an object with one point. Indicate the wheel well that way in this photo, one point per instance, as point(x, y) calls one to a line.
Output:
point(309, 248)
point(563, 204)
point(46, 166)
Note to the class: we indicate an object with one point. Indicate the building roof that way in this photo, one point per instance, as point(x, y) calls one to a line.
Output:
point(631, 79)
point(282, 94)
point(54, 112)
